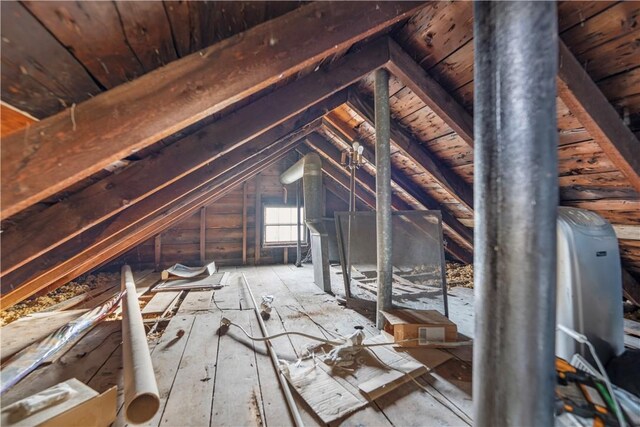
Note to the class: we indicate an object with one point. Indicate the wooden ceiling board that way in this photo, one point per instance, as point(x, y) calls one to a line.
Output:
point(39, 76)
point(93, 32)
point(148, 33)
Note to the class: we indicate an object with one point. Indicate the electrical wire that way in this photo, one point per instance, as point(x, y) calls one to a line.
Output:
point(227, 322)
point(584, 340)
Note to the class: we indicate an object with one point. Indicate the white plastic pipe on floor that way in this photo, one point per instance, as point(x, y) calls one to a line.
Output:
point(141, 399)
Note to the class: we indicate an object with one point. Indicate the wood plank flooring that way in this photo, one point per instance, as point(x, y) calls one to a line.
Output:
point(206, 379)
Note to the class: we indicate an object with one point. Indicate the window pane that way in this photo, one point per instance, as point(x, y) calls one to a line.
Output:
point(270, 215)
point(271, 234)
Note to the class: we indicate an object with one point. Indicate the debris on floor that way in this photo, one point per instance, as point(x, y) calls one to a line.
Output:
point(459, 275)
point(63, 293)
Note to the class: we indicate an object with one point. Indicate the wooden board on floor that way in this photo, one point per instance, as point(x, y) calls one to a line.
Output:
point(195, 301)
point(27, 330)
point(189, 401)
point(160, 303)
point(237, 397)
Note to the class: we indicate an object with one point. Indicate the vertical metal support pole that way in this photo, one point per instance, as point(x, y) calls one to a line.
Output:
point(383, 193)
point(516, 193)
point(299, 224)
point(352, 209)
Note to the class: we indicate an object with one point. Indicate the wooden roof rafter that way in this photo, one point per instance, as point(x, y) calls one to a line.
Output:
point(308, 98)
point(586, 101)
point(130, 227)
point(191, 88)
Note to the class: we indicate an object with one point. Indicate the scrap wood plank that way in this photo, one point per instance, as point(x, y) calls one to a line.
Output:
point(160, 303)
point(389, 381)
point(191, 395)
point(196, 301)
point(213, 281)
point(29, 329)
point(82, 361)
point(59, 413)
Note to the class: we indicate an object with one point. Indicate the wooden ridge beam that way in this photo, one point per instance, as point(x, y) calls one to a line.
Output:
point(63, 149)
point(113, 237)
point(332, 154)
point(417, 152)
point(310, 97)
point(585, 100)
point(430, 92)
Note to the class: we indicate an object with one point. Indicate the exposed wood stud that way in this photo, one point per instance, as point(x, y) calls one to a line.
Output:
point(157, 244)
point(203, 235)
point(258, 220)
point(244, 223)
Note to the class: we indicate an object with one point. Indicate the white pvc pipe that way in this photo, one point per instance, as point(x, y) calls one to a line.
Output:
point(141, 399)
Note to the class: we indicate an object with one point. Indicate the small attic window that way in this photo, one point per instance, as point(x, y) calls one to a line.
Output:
point(280, 226)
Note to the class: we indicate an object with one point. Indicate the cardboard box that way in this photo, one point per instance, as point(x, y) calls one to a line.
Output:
point(423, 327)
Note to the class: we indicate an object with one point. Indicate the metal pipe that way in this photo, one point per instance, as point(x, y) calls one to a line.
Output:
point(383, 193)
point(310, 168)
point(516, 194)
point(293, 409)
point(352, 209)
point(141, 398)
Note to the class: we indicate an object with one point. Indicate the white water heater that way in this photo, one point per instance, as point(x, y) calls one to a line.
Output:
point(589, 294)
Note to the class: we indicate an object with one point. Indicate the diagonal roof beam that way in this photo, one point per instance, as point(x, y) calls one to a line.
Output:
point(417, 152)
point(63, 149)
point(308, 97)
point(133, 226)
point(342, 193)
point(585, 100)
point(430, 92)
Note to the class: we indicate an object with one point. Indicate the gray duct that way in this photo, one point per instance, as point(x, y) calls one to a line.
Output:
point(309, 168)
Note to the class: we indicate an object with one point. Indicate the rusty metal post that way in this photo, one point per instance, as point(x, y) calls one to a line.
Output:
point(516, 194)
point(383, 193)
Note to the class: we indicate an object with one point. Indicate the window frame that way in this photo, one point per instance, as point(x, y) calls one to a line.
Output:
point(263, 229)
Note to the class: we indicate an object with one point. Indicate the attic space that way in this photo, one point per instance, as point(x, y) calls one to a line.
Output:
point(330, 213)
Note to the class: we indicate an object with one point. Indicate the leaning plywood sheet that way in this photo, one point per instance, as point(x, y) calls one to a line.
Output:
point(214, 281)
point(184, 272)
point(160, 303)
point(27, 330)
point(328, 398)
